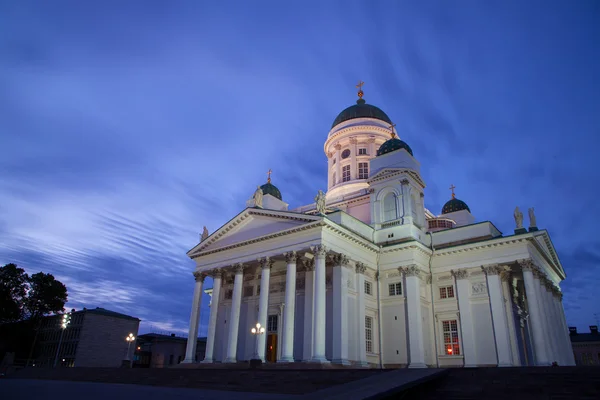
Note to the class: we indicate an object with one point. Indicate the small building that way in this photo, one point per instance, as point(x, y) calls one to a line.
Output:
point(586, 346)
point(93, 338)
point(156, 350)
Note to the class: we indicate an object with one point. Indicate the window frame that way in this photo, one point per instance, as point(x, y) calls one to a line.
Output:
point(368, 284)
point(369, 334)
point(346, 173)
point(395, 286)
point(446, 292)
point(363, 170)
point(453, 335)
point(362, 151)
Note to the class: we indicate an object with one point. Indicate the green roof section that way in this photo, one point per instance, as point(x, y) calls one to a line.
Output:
point(361, 110)
point(269, 188)
point(393, 145)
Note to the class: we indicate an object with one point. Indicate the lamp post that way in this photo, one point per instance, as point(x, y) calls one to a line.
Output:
point(257, 331)
point(130, 338)
point(66, 320)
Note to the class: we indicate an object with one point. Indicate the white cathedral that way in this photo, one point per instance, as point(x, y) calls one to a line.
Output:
point(367, 276)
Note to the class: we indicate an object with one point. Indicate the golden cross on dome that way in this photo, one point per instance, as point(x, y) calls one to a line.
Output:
point(360, 91)
point(269, 172)
point(392, 125)
point(452, 187)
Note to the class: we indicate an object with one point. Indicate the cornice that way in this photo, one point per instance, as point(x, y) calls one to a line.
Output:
point(552, 261)
point(365, 130)
point(413, 245)
point(316, 224)
point(350, 235)
point(387, 173)
point(500, 241)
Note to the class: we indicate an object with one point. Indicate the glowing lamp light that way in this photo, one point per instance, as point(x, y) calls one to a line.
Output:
point(449, 350)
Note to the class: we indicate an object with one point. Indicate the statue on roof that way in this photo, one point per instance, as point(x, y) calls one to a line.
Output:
point(258, 197)
point(518, 218)
point(532, 221)
point(320, 202)
point(204, 234)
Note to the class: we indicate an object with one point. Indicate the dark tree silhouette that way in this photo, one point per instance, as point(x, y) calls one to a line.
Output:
point(46, 295)
point(13, 289)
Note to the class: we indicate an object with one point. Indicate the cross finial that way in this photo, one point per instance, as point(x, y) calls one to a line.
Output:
point(392, 130)
point(269, 172)
point(360, 91)
point(452, 187)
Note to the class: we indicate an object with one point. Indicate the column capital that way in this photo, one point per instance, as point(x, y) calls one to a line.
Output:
point(410, 270)
point(526, 264)
point(329, 154)
point(461, 273)
point(506, 274)
point(265, 262)
point(360, 268)
point(340, 260)
point(353, 140)
point(319, 250)
point(199, 276)
point(404, 182)
point(337, 146)
point(291, 256)
point(309, 264)
point(216, 273)
point(492, 269)
point(239, 268)
point(538, 273)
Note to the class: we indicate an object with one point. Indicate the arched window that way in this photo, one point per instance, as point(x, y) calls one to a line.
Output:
point(390, 207)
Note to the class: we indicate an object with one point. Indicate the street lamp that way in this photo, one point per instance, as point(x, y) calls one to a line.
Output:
point(130, 338)
point(66, 320)
point(258, 330)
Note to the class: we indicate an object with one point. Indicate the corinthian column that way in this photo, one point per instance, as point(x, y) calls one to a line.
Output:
point(309, 308)
point(212, 323)
point(466, 318)
point(319, 321)
point(190, 350)
point(535, 313)
point(234, 318)
point(415, 323)
point(340, 307)
point(287, 353)
point(360, 314)
point(263, 303)
point(501, 334)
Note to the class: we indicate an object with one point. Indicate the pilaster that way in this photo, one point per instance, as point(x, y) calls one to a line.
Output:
point(212, 322)
point(287, 354)
point(319, 321)
point(190, 351)
point(415, 322)
point(360, 314)
point(340, 307)
point(234, 318)
point(309, 290)
point(499, 320)
point(263, 303)
point(535, 312)
point(466, 318)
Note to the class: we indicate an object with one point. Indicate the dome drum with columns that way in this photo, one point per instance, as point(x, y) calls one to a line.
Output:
point(367, 276)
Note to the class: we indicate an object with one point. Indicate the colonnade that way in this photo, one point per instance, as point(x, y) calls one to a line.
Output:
point(315, 321)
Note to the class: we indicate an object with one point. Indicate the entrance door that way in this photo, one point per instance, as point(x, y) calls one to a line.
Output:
point(272, 347)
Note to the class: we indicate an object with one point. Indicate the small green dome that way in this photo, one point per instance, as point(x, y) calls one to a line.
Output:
point(453, 205)
point(361, 110)
point(393, 145)
point(269, 188)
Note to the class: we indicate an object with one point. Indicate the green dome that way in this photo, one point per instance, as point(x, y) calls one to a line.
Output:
point(393, 145)
point(361, 110)
point(453, 205)
point(269, 188)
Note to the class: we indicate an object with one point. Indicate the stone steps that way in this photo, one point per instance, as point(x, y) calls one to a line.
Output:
point(513, 384)
point(285, 381)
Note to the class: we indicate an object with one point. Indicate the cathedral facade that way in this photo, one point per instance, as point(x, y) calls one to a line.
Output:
point(368, 276)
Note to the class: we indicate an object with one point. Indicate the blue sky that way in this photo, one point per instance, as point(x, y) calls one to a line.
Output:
point(128, 126)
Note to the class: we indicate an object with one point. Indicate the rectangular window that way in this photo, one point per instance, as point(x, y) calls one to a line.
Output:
point(447, 292)
point(272, 323)
point(345, 173)
point(451, 346)
point(248, 291)
point(369, 333)
point(228, 294)
point(395, 289)
point(368, 288)
point(363, 170)
point(362, 152)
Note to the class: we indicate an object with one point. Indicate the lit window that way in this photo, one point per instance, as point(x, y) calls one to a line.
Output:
point(272, 323)
point(451, 346)
point(390, 211)
point(346, 153)
point(368, 288)
point(447, 292)
point(363, 170)
point(369, 333)
point(395, 289)
point(345, 173)
point(362, 152)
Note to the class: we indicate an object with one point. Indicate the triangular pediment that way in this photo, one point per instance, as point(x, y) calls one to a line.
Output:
point(391, 172)
point(251, 224)
point(544, 245)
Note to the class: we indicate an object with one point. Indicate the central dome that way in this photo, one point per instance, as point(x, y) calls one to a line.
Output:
point(361, 110)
